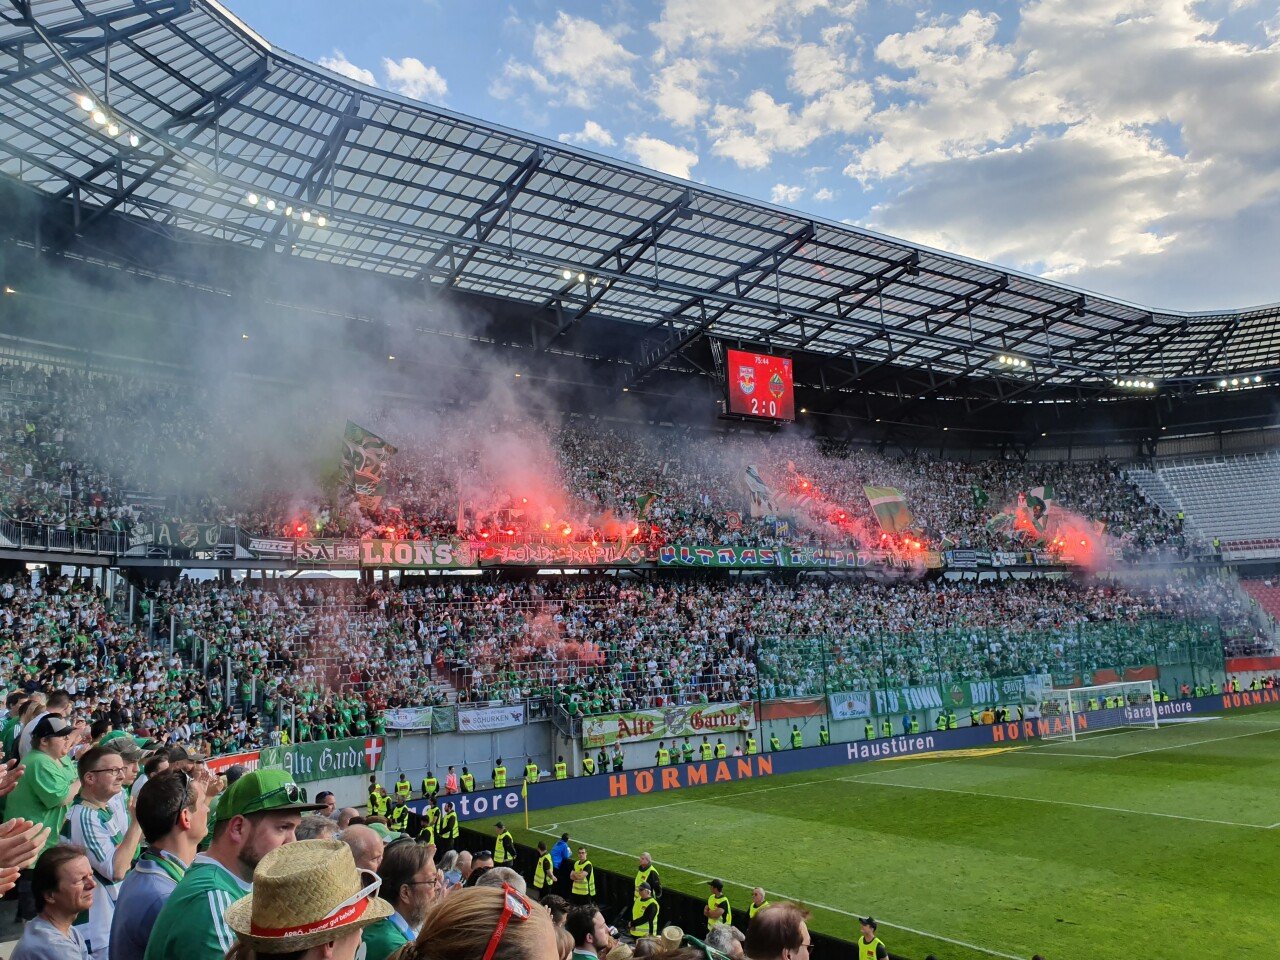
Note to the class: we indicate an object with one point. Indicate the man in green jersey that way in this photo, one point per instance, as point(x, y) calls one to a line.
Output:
point(45, 792)
point(259, 813)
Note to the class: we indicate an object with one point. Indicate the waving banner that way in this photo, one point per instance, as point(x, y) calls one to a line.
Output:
point(635, 726)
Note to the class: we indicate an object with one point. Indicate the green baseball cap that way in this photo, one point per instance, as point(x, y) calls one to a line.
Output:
point(263, 791)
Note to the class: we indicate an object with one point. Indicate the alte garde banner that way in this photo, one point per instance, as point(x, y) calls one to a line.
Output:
point(635, 726)
point(325, 759)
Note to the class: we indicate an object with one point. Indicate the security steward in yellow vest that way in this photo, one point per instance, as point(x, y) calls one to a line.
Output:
point(647, 875)
point(588, 765)
point(447, 835)
point(403, 789)
point(797, 738)
point(399, 819)
point(663, 755)
point(499, 774)
point(468, 780)
point(722, 749)
point(381, 802)
point(561, 769)
point(752, 747)
point(583, 876)
point(705, 747)
point(717, 910)
point(504, 848)
point(886, 728)
point(544, 876)
point(868, 946)
point(774, 743)
point(644, 913)
point(530, 771)
point(426, 832)
point(430, 785)
point(758, 903)
point(824, 736)
point(868, 729)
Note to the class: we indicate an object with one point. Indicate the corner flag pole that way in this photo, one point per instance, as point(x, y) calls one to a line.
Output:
point(524, 792)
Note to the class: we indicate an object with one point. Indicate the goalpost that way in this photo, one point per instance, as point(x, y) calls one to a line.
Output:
point(1084, 710)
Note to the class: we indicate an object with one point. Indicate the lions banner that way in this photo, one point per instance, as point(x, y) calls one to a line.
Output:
point(635, 726)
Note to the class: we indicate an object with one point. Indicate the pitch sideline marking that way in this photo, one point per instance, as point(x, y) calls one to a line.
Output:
point(1062, 803)
point(813, 903)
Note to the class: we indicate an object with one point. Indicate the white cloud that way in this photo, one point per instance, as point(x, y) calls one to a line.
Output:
point(591, 133)
point(662, 156)
point(824, 195)
point(575, 59)
point(727, 26)
point(783, 193)
point(338, 63)
point(1094, 196)
point(677, 91)
point(1100, 133)
point(414, 78)
point(750, 135)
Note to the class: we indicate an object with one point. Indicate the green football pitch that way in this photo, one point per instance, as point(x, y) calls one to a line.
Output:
point(1131, 843)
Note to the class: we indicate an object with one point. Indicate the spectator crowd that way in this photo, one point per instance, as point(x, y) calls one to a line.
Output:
point(97, 451)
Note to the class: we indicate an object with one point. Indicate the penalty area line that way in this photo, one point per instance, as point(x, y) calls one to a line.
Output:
point(802, 900)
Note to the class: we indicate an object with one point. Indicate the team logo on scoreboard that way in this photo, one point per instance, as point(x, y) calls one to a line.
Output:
point(747, 379)
point(776, 386)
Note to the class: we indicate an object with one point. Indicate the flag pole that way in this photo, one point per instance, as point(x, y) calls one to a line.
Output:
point(524, 792)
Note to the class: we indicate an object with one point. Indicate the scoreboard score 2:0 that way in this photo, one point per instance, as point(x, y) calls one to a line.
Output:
point(760, 386)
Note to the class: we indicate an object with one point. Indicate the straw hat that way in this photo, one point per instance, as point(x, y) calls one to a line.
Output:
point(672, 937)
point(306, 893)
point(620, 952)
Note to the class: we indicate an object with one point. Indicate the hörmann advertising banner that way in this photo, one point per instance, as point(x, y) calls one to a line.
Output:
point(637, 725)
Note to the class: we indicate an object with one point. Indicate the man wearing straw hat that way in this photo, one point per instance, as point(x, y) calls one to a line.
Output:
point(258, 813)
point(308, 899)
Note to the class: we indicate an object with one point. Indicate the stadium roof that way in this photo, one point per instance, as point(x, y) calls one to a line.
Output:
point(239, 141)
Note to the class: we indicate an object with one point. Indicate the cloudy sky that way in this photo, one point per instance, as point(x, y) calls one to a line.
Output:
point(1126, 146)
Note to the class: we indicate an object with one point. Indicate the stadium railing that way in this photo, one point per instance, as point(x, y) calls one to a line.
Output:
point(25, 535)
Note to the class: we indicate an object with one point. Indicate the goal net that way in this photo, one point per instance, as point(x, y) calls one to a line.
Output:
point(1085, 710)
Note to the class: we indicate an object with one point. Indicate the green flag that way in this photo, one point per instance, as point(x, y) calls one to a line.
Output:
point(980, 498)
point(1000, 522)
point(365, 457)
point(644, 502)
point(890, 508)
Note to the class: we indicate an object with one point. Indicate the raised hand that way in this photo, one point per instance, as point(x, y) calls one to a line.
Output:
point(10, 774)
point(21, 842)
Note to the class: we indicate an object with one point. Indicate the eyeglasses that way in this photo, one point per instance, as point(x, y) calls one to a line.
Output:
point(513, 906)
point(291, 792)
point(436, 881)
point(114, 771)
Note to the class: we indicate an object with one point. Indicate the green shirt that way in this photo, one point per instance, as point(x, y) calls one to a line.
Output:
point(40, 793)
point(383, 938)
point(192, 924)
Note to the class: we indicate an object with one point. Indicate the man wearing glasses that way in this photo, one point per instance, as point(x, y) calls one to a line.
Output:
point(258, 813)
point(109, 838)
point(411, 884)
point(173, 812)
